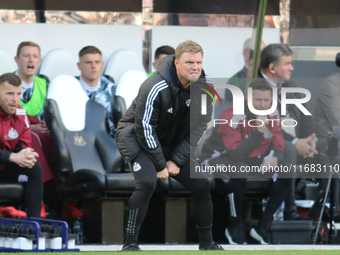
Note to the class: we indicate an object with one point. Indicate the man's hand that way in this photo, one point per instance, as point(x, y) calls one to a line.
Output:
point(306, 146)
point(263, 123)
point(312, 142)
point(272, 163)
point(164, 174)
point(25, 158)
point(172, 168)
point(41, 127)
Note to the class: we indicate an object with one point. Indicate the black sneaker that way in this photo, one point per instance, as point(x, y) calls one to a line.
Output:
point(293, 216)
point(131, 247)
point(236, 235)
point(213, 246)
point(260, 234)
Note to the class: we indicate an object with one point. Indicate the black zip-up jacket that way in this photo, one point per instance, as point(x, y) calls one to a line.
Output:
point(164, 118)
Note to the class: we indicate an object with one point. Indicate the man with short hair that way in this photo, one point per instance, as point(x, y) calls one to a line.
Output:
point(276, 68)
point(160, 53)
point(34, 91)
point(17, 158)
point(245, 140)
point(157, 135)
point(240, 78)
point(34, 88)
point(96, 86)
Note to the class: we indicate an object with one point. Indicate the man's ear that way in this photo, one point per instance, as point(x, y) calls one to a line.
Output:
point(272, 68)
point(176, 62)
point(245, 54)
point(16, 59)
point(78, 64)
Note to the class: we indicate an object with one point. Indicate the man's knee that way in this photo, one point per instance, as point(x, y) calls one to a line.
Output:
point(36, 170)
point(148, 185)
point(200, 186)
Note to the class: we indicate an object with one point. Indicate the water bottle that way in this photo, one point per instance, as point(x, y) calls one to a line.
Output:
point(278, 216)
point(81, 232)
point(77, 230)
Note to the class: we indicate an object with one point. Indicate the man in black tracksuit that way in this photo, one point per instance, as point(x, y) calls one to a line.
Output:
point(157, 135)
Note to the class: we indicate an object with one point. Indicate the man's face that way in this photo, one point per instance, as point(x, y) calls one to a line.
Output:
point(160, 57)
point(246, 53)
point(189, 66)
point(262, 99)
point(91, 66)
point(28, 60)
point(10, 97)
point(283, 71)
point(250, 68)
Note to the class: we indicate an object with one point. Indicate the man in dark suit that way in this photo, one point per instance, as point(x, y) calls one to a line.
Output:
point(276, 68)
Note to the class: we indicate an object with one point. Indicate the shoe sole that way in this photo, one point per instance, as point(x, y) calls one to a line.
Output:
point(256, 236)
point(230, 240)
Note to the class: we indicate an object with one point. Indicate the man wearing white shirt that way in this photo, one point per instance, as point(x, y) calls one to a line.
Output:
point(96, 86)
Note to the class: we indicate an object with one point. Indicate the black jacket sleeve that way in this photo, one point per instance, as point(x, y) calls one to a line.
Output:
point(246, 147)
point(146, 122)
point(287, 137)
point(4, 156)
point(307, 126)
point(279, 155)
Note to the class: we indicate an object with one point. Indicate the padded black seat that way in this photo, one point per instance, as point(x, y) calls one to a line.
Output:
point(253, 186)
point(86, 152)
point(337, 60)
point(175, 186)
point(258, 185)
point(11, 192)
point(120, 182)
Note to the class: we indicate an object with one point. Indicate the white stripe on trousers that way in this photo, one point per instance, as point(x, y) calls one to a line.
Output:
point(232, 205)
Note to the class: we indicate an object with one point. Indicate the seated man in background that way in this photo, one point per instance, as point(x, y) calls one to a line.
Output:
point(160, 53)
point(241, 142)
point(276, 68)
point(34, 90)
point(240, 78)
point(96, 86)
point(17, 158)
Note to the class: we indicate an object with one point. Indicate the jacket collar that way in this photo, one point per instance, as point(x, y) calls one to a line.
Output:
point(3, 114)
